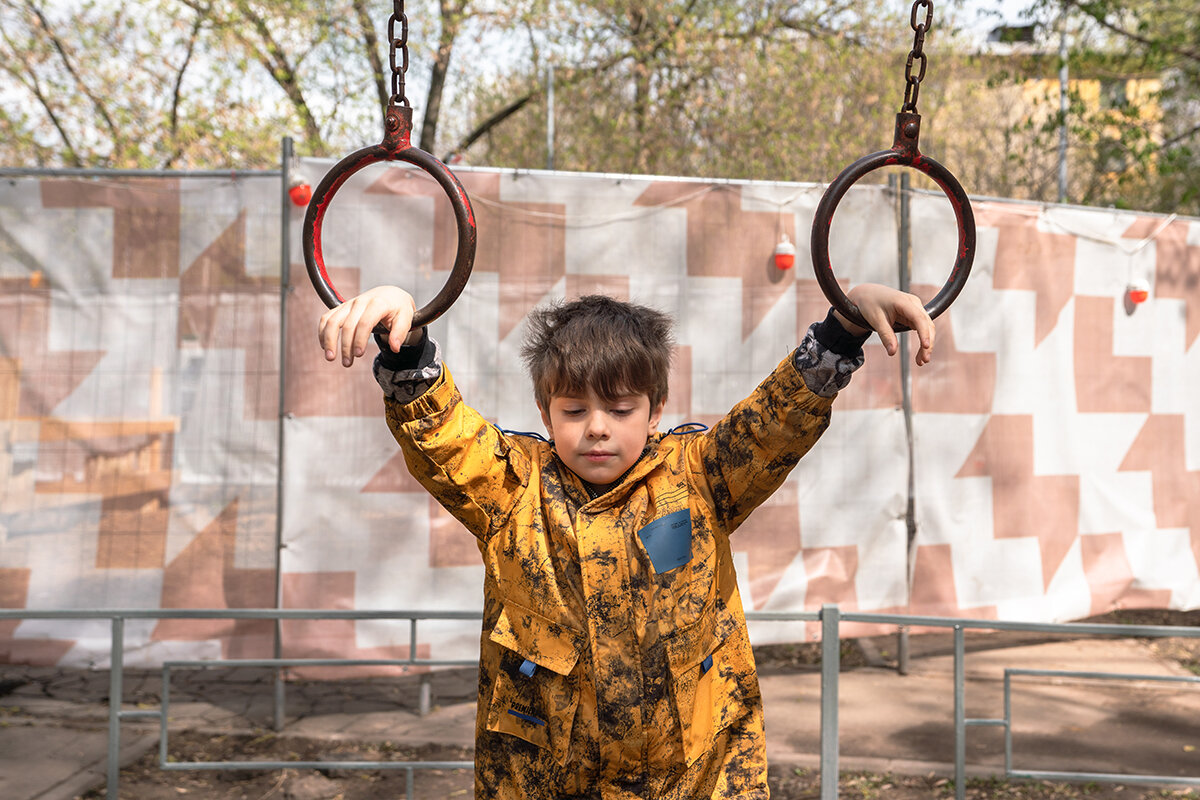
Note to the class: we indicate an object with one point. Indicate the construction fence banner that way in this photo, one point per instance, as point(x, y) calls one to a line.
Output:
point(170, 427)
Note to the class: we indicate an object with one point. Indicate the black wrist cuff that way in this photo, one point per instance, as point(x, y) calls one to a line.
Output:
point(830, 334)
point(409, 357)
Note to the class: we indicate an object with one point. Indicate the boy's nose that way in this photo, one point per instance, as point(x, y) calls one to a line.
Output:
point(597, 427)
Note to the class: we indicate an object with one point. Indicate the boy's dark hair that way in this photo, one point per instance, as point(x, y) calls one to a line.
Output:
point(611, 346)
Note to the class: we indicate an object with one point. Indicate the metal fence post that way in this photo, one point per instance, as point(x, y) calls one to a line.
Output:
point(960, 715)
point(831, 656)
point(910, 514)
point(116, 691)
point(285, 268)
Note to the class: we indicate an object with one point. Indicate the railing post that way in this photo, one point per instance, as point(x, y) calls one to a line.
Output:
point(831, 656)
point(960, 715)
point(116, 691)
point(425, 698)
point(285, 269)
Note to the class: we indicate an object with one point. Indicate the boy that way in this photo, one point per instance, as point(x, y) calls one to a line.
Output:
point(614, 658)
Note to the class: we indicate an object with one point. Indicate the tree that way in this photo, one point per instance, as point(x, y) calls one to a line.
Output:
point(104, 86)
point(1133, 109)
point(749, 90)
point(210, 83)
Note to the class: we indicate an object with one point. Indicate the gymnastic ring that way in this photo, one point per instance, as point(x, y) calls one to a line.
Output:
point(904, 153)
point(396, 146)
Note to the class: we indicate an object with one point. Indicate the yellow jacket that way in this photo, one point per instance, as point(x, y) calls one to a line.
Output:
point(614, 660)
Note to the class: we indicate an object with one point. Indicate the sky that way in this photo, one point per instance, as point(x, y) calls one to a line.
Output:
point(981, 16)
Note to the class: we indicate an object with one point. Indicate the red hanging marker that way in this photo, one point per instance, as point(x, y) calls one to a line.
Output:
point(300, 192)
point(785, 253)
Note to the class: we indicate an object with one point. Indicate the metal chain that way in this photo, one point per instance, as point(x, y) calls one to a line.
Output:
point(400, 43)
point(912, 83)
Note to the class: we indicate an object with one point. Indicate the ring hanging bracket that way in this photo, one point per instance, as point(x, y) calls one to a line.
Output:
point(905, 152)
point(396, 146)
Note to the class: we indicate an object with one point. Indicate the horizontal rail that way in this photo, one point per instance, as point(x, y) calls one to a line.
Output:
point(1102, 777)
point(1056, 628)
point(186, 766)
point(87, 172)
point(233, 613)
point(324, 662)
point(1096, 777)
point(1124, 676)
point(906, 620)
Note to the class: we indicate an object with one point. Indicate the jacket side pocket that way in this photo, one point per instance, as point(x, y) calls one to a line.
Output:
point(701, 681)
point(536, 691)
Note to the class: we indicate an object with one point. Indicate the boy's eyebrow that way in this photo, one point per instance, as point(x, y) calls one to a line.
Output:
point(582, 397)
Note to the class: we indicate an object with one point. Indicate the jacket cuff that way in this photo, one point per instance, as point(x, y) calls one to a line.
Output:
point(826, 371)
point(410, 355)
point(832, 336)
point(407, 375)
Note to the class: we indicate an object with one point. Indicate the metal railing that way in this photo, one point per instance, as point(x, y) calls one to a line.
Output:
point(830, 618)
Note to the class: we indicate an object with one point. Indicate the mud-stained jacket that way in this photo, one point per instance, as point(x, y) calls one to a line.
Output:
point(614, 655)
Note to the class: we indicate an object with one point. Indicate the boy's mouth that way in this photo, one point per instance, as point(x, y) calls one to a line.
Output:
point(598, 456)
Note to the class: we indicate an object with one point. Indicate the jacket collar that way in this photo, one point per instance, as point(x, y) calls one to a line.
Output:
point(584, 494)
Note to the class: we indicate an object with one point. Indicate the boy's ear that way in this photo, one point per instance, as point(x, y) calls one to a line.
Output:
point(546, 420)
point(655, 418)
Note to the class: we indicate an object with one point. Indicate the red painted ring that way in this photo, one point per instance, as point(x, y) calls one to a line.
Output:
point(833, 195)
point(314, 218)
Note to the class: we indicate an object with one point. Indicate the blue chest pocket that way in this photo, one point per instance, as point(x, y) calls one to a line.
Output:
point(668, 540)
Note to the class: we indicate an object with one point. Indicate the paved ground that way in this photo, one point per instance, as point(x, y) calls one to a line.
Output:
point(53, 723)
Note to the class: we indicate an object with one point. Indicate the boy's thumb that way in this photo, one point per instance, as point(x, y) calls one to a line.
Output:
point(396, 338)
point(889, 342)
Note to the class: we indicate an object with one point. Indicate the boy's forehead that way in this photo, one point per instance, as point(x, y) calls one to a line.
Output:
point(588, 393)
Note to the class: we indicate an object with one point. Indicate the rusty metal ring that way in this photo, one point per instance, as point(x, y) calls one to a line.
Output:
point(903, 154)
point(395, 147)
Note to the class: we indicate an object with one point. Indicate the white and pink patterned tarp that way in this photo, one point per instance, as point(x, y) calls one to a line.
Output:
point(1056, 435)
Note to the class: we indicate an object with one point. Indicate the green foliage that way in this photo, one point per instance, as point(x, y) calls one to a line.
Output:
point(1125, 151)
point(725, 90)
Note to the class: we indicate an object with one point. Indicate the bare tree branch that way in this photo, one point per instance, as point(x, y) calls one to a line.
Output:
point(371, 47)
point(1101, 20)
point(27, 77)
point(177, 89)
point(451, 14)
point(83, 87)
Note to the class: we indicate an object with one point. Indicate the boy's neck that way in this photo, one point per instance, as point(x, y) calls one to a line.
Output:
point(595, 490)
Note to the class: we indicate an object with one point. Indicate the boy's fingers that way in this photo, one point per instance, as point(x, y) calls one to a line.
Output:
point(327, 332)
point(888, 338)
point(348, 332)
point(883, 326)
point(926, 331)
point(400, 326)
point(370, 317)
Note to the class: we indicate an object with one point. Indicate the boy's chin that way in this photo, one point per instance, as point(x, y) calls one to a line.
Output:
point(599, 476)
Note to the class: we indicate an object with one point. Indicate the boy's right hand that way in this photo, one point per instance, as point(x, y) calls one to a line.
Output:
point(347, 328)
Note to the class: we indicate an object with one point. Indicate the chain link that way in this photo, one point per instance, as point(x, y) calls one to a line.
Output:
point(912, 83)
point(399, 43)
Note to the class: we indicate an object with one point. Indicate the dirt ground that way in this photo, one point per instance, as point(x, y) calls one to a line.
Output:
point(144, 780)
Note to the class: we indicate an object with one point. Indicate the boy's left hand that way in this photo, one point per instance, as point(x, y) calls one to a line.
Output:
point(882, 306)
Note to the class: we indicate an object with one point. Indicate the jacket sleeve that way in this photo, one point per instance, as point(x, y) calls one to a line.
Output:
point(469, 466)
point(746, 456)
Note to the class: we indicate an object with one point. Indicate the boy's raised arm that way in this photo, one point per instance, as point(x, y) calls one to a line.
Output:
point(346, 329)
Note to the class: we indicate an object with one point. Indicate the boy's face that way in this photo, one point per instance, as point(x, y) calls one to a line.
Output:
point(598, 439)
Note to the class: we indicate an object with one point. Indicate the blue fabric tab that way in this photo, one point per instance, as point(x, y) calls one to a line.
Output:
point(528, 668)
point(526, 717)
point(706, 664)
point(668, 540)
